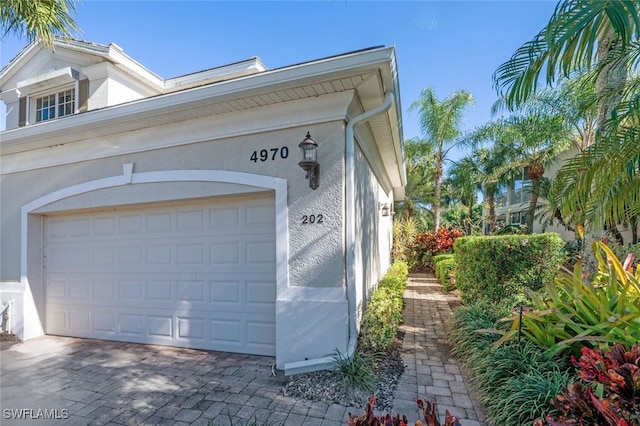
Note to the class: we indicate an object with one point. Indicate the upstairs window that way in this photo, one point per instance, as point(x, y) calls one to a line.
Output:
point(55, 105)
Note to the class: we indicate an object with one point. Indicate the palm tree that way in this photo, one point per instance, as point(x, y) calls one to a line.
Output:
point(463, 182)
point(492, 175)
point(419, 160)
point(579, 35)
point(440, 124)
point(574, 100)
point(38, 19)
point(529, 142)
point(601, 38)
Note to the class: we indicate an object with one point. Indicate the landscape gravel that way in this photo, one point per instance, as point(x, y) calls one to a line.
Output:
point(329, 387)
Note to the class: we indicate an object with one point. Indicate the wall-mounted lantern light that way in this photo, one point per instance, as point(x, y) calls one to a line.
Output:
point(309, 161)
point(385, 209)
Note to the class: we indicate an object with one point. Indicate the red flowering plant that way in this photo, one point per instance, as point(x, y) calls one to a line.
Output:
point(430, 414)
point(370, 419)
point(430, 243)
point(611, 395)
point(428, 411)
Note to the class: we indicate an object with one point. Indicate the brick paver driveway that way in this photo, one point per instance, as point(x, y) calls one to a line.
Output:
point(83, 381)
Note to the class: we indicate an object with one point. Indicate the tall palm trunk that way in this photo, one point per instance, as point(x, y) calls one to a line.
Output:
point(437, 190)
point(535, 192)
point(610, 80)
point(492, 211)
point(536, 172)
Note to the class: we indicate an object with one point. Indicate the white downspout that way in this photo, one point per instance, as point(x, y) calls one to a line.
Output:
point(328, 362)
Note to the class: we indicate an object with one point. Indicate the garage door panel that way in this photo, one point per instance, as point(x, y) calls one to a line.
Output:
point(200, 275)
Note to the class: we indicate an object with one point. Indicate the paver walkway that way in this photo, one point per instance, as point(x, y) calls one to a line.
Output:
point(430, 372)
point(91, 382)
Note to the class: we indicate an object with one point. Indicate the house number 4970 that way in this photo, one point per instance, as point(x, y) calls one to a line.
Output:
point(270, 154)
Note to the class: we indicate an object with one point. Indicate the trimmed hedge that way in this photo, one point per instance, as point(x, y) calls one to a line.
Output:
point(383, 314)
point(444, 272)
point(440, 257)
point(501, 268)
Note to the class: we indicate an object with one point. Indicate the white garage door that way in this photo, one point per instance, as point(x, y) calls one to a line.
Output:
point(191, 274)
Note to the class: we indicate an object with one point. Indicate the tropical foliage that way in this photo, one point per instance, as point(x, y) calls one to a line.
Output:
point(420, 166)
point(440, 123)
point(41, 19)
point(515, 381)
point(599, 40)
point(612, 392)
point(572, 312)
point(529, 141)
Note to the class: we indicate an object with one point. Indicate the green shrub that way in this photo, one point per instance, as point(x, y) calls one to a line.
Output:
point(399, 269)
point(445, 269)
point(439, 257)
point(501, 268)
point(383, 314)
point(514, 381)
point(404, 237)
point(462, 327)
point(574, 311)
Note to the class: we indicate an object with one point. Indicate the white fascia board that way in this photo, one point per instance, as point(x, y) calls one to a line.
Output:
point(116, 55)
point(259, 83)
point(326, 108)
point(247, 67)
point(26, 54)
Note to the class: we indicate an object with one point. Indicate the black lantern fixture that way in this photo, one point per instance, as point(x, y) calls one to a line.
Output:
point(309, 161)
point(386, 211)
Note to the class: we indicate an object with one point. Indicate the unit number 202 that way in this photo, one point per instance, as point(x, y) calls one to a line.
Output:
point(310, 219)
point(270, 154)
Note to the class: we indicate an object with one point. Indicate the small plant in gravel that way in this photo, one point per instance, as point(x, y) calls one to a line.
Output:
point(356, 371)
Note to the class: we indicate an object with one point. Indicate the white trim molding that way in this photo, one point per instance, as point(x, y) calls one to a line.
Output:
point(279, 185)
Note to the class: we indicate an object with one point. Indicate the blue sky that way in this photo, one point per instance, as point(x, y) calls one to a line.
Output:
point(447, 45)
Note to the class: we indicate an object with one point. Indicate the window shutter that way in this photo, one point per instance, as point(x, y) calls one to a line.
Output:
point(22, 112)
point(83, 95)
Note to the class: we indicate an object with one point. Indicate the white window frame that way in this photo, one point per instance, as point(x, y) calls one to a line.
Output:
point(32, 105)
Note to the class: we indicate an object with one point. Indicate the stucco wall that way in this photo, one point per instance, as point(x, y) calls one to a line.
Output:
point(311, 313)
point(310, 322)
point(316, 250)
point(373, 231)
